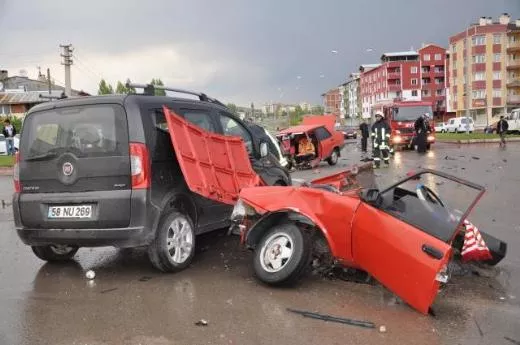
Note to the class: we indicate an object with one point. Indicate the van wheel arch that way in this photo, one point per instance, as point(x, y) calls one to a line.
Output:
point(178, 200)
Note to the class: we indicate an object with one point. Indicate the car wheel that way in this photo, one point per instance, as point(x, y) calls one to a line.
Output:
point(282, 256)
point(55, 253)
point(174, 245)
point(333, 159)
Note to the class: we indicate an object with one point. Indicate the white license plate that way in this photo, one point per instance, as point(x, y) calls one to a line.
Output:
point(79, 211)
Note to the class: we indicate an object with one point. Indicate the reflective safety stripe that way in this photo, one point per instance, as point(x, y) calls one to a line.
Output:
point(382, 132)
point(377, 159)
point(386, 159)
point(388, 135)
point(375, 145)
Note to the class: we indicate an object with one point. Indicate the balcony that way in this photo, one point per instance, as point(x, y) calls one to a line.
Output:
point(478, 103)
point(513, 82)
point(439, 73)
point(394, 75)
point(394, 87)
point(513, 99)
point(513, 47)
point(513, 64)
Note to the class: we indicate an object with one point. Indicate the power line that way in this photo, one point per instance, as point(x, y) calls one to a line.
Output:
point(85, 65)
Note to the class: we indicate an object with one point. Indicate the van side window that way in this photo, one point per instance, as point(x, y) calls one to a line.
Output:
point(200, 118)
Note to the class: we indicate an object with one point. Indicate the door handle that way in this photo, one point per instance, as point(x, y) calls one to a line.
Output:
point(431, 251)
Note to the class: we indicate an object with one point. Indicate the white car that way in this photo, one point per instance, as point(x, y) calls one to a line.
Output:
point(440, 127)
point(3, 144)
point(460, 125)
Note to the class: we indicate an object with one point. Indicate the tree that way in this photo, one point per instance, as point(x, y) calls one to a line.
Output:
point(121, 89)
point(158, 82)
point(318, 110)
point(296, 116)
point(129, 89)
point(105, 88)
point(232, 108)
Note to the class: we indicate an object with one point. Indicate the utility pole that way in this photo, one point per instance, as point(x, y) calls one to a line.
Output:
point(49, 80)
point(67, 62)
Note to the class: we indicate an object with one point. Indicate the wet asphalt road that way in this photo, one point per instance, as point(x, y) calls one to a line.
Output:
point(130, 303)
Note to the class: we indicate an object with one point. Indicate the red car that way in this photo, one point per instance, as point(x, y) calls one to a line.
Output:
point(320, 131)
point(403, 236)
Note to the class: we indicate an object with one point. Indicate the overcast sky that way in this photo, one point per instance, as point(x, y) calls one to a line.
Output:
point(236, 50)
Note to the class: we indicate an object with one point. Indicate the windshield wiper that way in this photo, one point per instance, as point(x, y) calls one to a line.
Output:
point(43, 157)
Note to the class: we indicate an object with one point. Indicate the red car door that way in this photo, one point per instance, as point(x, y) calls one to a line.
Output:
point(214, 166)
point(396, 254)
point(326, 142)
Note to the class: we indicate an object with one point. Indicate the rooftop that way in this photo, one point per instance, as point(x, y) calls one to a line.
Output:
point(404, 53)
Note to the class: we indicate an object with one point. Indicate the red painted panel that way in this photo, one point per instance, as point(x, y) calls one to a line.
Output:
point(214, 166)
point(478, 67)
point(497, 101)
point(497, 84)
point(497, 66)
point(497, 48)
point(479, 85)
point(478, 50)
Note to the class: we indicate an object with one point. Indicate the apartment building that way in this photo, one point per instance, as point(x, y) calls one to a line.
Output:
point(332, 100)
point(484, 69)
point(352, 96)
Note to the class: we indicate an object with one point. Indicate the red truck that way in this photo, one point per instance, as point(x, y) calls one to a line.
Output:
point(401, 116)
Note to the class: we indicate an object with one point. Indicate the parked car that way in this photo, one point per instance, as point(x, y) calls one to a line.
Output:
point(348, 132)
point(460, 125)
point(440, 127)
point(320, 131)
point(3, 144)
point(133, 170)
point(403, 235)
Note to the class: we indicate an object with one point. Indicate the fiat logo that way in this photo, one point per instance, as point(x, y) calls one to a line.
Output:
point(68, 169)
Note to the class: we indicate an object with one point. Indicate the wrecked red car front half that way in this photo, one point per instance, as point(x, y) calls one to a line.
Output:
point(402, 235)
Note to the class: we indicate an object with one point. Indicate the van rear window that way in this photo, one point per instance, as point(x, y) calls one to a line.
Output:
point(85, 131)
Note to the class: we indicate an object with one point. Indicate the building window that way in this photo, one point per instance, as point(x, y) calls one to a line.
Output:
point(426, 81)
point(479, 76)
point(497, 93)
point(453, 48)
point(496, 75)
point(5, 109)
point(414, 81)
point(479, 58)
point(439, 81)
point(478, 40)
point(414, 69)
point(479, 94)
point(439, 70)
point(497, 38)
point(440, 92)
point(438, 57)
point(426, 69)
point(426, 57)
point(426, 93)
point(496, 57)
point(414, 93)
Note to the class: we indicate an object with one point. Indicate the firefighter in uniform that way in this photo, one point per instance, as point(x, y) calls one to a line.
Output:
point(380, 140)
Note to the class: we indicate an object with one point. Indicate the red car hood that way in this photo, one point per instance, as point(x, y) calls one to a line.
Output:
point(214, 166)
point(322, 120)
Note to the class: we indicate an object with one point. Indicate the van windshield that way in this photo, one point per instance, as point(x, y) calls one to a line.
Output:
point(85, 131)
point(410, 113)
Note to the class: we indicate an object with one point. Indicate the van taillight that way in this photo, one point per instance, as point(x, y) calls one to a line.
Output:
point(16, 173)
point(140, 166)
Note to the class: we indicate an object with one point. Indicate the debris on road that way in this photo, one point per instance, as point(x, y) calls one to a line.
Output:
point(475, 157)
point(448, 158)
point(516, 342)
point(365, 324)
point(201, 322)
point(144, 279)
point(90, 274)
point(108, 290)
point(478, 327)
point(382, 329)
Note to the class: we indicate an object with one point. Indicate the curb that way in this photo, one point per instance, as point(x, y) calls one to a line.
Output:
point(6, 171)
point(476, 141)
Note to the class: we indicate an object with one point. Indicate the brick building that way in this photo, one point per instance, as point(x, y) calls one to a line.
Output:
point(407, 76)
point(485, 69)
point(332, 100)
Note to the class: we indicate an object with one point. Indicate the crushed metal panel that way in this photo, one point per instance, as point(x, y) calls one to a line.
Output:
point(214, 166)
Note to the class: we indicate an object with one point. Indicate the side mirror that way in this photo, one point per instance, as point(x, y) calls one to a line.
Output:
point(372, 196)
point(263, 149)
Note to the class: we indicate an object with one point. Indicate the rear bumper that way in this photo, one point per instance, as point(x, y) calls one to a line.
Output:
point(121, 237)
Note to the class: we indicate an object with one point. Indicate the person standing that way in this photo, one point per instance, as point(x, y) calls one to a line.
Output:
point(9, 133)
point(380, 138)
point(421, 133)
point(502, 128)
point(365, 133)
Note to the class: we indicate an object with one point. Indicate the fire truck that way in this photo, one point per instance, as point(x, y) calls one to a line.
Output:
point(401, 116)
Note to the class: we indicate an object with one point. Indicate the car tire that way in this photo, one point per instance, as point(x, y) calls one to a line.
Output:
point(294, 266)
point(333, 159)
point(173, 248)
point(54, 253)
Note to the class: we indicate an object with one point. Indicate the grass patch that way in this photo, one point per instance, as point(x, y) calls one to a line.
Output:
point(464, 136)
point(6, 161)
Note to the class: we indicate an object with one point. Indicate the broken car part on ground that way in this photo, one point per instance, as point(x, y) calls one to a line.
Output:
point(404, 236)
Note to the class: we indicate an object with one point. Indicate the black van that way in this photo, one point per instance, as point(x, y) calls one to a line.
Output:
point(133, 170)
